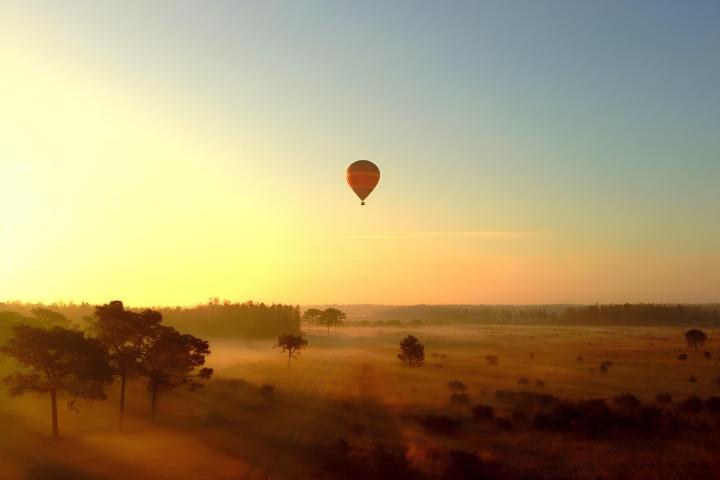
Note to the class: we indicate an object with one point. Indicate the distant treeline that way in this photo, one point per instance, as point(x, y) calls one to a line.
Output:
point(228, 319)
point(214, 319)
point(642, 314)
point(622, 314)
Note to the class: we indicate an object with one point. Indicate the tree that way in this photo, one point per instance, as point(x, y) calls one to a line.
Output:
point(491, 360)
point(171, 360)
point(57, 361)
point(332, 317)
point(312, 316)
point(695, 338)
point(412, 352)
point(126, 335)
point(292, 344)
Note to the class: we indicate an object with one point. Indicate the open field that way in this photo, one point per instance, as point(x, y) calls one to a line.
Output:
point(348, 385)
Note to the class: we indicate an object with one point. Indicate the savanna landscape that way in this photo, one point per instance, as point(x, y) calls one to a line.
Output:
point(359, 240)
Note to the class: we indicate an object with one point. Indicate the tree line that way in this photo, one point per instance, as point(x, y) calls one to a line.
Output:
point(119, 344)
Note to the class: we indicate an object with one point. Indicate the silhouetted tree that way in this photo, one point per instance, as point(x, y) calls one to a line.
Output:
point(412, 352)
point(172, 360)
point(292, 344)
point(332, 317)
point(57, 361)
point(127, 336)
point(695, 338)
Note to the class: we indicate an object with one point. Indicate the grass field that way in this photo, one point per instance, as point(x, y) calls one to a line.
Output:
point(349, 385)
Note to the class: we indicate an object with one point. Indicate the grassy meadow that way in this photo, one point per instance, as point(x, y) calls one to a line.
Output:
point(348, 390)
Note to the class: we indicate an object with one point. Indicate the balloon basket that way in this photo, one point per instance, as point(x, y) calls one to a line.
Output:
point(362, 203)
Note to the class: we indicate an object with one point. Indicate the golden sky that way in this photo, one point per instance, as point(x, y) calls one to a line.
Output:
point(164, 167)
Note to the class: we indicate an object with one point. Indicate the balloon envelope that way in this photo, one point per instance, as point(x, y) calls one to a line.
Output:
point(363, 176)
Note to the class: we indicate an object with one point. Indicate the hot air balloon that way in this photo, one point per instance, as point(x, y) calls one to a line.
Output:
point(363, 176)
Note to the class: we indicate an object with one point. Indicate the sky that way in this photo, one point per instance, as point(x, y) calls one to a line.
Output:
point(163, 153)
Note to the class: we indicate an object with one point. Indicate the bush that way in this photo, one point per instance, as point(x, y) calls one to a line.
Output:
point(682, 356)
point(539, 383)
point(457, 386)
point(492, 360)
point(663, 398)
point(692, 379)
point(604, 366)
point(713, 404)
point(442, 424)
point(483, 412)
point(459, 398)
point(708, 354)
point(532, 356)
point(627, 401)
point(579, 358)
point(693, 404)
point(503, 423)
point(267, 391)
point(523, 381)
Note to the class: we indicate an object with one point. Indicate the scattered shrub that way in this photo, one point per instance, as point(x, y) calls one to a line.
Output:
point(579, 358)
point(492, 360)
point(503, 423)
point(604, 366)
point(539, 383)
point(523, 381)
point(663, 398)
point(682, 356)
point(483, 412)
point(692, 379)
point(692, 404)
point(267, 391)
point(627, 401)
point(457, 386)
point(708, 354)
point(459, 398)
point(442, 424)
point(532, 356)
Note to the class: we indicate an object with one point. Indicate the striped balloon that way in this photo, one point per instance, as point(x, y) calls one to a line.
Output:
point(363, 176)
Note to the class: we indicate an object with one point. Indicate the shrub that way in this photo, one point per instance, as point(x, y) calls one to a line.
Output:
point(459, 398)
point(539, 383)
point(531, 355)
point(503, 423)
point(663, 398)
point(483, 412)
point(692, 379)
point(692, 404)
point(627, 401)
point(457, 386)
point(492, 360)
point(442, 424)
point(604, 366)
point(267, 391)
point(708, 354)
point(523, 381)
point(713, 404)
point(682, 356)
point(579, 358)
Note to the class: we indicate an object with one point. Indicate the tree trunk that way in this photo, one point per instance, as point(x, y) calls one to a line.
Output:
point(53, 406)
point(122, 399)
point(153, 401)
point(289, 355)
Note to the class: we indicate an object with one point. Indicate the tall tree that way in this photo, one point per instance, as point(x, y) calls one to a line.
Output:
point(57, 361)
point(172, 360)
point(292, 344)
point(312, 316)
point(412, 352)
point(332, 317)
point(126, 335)
point(695, 338)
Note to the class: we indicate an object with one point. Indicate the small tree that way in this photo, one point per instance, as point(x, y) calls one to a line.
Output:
point(292, 344)
point(695, 338)
point(491, 360)
point(172, 360)
point(412, 352)
point(57, 361)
